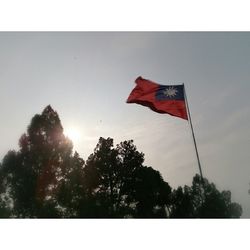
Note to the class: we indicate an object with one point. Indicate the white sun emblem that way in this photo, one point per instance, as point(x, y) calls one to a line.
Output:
point(170, 92)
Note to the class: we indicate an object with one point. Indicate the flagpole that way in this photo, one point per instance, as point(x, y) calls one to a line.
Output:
point(190, 122)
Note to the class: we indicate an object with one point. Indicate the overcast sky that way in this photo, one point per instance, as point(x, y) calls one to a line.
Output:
point(87, 77)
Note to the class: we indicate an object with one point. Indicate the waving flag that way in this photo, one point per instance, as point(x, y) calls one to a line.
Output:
point(167, 99)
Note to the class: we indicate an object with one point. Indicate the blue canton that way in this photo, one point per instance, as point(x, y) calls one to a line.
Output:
point(170, 92)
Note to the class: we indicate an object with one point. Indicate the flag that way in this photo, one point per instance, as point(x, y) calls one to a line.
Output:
point(167, 99)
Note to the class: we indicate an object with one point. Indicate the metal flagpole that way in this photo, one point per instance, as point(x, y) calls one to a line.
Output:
point(190, 122)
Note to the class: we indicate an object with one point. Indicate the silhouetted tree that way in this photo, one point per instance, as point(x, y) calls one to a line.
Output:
point(120, 186)
point(71, 196)
point(203, 200)
point(33, 175)
point(44, 179)
point(182, 203)
point(4, 204)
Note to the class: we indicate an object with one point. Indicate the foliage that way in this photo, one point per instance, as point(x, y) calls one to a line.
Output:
point(45, 179)
point(33, 175)
point(121, 185)
point(203, 200)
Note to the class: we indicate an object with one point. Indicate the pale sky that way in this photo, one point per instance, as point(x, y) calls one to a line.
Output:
point(87, 76)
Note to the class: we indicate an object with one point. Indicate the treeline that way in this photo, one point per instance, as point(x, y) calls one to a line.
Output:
point(45, 179)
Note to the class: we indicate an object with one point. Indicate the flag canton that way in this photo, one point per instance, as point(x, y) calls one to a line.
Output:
point(170, 92)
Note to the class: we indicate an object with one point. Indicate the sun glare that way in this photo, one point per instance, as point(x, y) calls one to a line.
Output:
point(73, 134)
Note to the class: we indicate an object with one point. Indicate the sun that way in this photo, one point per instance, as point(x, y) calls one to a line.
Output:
point(73, 134)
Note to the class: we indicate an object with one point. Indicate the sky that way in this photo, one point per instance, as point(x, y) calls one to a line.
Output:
point(87, 76)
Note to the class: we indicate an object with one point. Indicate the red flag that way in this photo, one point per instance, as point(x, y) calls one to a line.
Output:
point(160, 98)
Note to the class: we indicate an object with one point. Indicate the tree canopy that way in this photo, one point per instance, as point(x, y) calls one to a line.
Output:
point(203, 200)
point(46, 179)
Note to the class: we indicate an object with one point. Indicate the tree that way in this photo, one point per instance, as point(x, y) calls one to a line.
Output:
point(119, 184)
point(33, 175)
point(203, 200)
point(181, 203)
point(71, 196)
point(4, 204)
point(44, 179)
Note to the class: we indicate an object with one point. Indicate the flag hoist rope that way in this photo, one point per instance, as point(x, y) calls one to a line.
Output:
point(190, 122)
